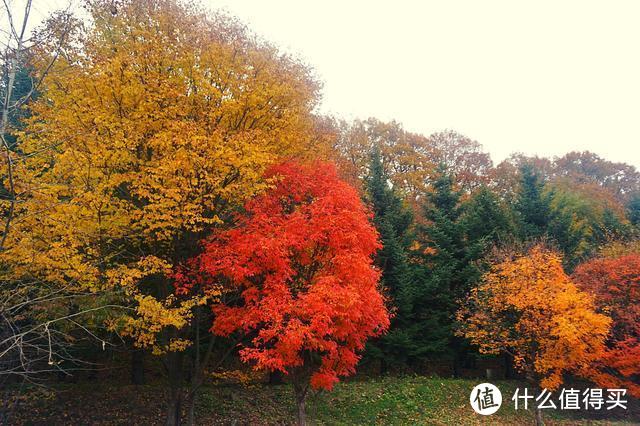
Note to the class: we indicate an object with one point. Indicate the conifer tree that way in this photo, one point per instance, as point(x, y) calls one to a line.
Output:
point(488, 219)
point(531, 205)
point(392, 220)
point(633, 210)
point(449, 269)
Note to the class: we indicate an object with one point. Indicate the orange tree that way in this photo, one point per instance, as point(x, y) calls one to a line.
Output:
point(528, 307)
point(154, 123)
point(301, 258)
point(615, 284)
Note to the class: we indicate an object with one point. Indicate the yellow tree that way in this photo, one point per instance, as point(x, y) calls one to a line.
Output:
point(527, 307)
point(406, 157)
point(155, 123)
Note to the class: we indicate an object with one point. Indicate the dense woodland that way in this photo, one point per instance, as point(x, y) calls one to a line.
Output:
point(173, 202)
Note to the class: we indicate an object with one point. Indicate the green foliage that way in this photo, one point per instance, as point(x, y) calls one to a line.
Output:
point(579, 223)
point(488, 219)
point(531, 205)
point(448, 269)
point(633, 210)
point(393, 221)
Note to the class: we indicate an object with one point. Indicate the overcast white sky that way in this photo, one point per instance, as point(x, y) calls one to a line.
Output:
point(543, 77)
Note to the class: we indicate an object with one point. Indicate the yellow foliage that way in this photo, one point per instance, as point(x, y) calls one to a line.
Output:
point(154, 124)
point(407, 158)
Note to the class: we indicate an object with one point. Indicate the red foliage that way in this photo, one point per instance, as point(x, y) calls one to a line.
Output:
point(301, 256)
point(616, 286)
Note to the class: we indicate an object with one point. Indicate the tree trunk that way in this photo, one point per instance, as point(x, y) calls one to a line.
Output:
point(456, 366)
point(531, 378)
point(137, 367)
point(302, 415)
point(539, 419)
point(191, 420)
point(176, 379)
point(174, 409)
point(300, 391)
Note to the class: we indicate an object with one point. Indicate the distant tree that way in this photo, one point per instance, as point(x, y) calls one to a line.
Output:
point(24, 91)
point(530, 204)
point(528, 307)
point(582, 217)
point(463, 158)
point(407, 158)
point(506, 176)
point(623, 180)
point(615, 285)
point(633, 210)
point(301, 256)
point(619, 248)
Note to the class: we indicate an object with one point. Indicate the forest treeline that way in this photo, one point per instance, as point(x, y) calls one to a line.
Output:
point(170, 191)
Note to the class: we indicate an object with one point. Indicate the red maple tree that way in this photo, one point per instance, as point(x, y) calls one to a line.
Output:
point(616, 285)
point(301, 256)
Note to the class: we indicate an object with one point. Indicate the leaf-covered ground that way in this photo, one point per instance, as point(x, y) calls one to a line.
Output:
point(383, 401)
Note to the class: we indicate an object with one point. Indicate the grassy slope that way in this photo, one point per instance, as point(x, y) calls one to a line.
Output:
point(393, 401)
point(384, 401)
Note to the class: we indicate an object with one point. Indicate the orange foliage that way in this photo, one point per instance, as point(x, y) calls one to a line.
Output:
point(302, 258)
point(615, 283)
point(528, 307)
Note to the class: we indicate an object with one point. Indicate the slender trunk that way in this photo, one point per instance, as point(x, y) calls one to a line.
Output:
point(531, 378)
point(459, 354)
point(300, 402)
point(302, 415)
point(456, 366)
point(174, 408)
point(137, 367)
point(197, 370)
point(539, 419)
point(300, 388)
point(191, 419)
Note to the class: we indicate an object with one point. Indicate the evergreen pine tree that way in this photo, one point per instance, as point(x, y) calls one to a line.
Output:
point(393, 221)
point(488, 219)
point(449, 270)
point(633, 210)
point(531, 205)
